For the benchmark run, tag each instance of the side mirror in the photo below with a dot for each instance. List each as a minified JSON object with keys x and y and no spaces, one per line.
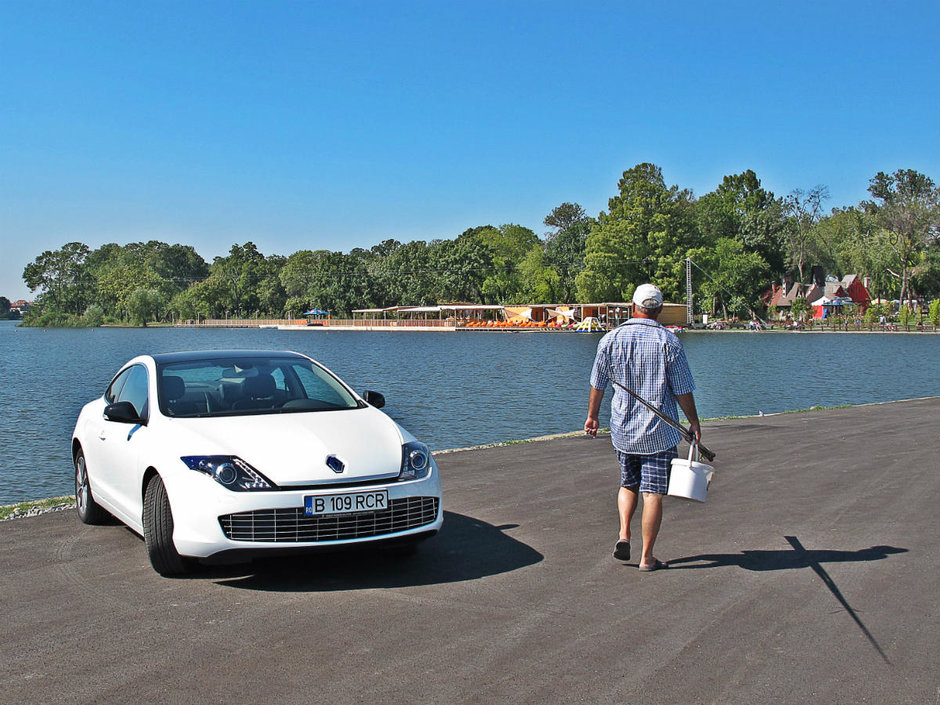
{"x":374,"y":398}
{"x":123,"y":412}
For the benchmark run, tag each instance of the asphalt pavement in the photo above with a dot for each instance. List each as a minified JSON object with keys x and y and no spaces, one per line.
{"x":809,"y":576}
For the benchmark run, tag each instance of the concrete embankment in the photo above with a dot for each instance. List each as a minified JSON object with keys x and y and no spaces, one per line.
{"x":809,"y":576}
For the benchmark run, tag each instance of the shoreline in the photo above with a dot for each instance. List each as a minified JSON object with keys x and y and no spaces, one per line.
{"x":36,"y":507}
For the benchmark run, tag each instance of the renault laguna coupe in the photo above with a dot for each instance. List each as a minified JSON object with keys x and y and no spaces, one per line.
{"x":227,"y":455}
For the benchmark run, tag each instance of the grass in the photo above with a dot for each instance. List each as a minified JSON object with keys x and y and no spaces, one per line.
{"x":22,"y":508}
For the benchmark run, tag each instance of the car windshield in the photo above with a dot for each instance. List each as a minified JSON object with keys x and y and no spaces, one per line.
{"x":252,"y":385}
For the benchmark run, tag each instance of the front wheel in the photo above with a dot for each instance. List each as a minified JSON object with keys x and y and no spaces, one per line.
{"x":89,"y":511}
{"x":158,"y":531}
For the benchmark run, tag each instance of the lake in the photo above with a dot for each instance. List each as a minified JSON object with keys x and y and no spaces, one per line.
{"x":449,"y":389}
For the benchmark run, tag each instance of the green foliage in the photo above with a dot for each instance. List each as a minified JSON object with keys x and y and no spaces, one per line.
{"x":94,"y":316}
{"x":144,"y":305}
{"x":734,"y":273}
{"x":799,"y":309}
{"x":564,"y":250}
{"x":642,"y":237}
{"x":934,"y":312}
{"x":740,"y":209}
{"x":905,"y":315}
{"x":62,"y":278}
{"x":740,"y":236}
{"x":906,"y":206}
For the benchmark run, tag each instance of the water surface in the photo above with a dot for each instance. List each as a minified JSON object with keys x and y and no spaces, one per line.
{"x":449,"y":389}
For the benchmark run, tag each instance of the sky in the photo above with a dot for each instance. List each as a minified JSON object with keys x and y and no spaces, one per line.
{"x":334,"y":125}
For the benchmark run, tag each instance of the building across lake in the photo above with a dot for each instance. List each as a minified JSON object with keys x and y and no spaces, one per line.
{"x":465,"y":316}
{"x":460,"y":317}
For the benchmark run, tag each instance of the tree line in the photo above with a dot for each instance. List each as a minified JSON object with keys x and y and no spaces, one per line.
{"x":741,"y":237}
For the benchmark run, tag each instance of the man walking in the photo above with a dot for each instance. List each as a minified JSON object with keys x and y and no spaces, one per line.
{"x":648,"y":359}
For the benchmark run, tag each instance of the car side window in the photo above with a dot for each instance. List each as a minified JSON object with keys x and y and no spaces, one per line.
{"x":279,"y":380}
{"x":116,"y":385}
{"x":135,"y":390}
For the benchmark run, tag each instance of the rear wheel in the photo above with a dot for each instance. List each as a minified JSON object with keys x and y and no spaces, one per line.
{"x":89,"y":511}
{"x":158,"y":531}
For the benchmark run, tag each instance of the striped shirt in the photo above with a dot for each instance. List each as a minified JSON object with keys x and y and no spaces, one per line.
{"x":645,"y":357}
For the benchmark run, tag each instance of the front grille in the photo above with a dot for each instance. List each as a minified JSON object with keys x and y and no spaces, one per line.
{"x":292,"y":526}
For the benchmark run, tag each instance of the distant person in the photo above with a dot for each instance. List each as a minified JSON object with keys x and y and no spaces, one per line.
{"x":649,"y":360}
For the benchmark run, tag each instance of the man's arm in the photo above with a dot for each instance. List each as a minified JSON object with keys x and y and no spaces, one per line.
{"x":594,"y":408}
{"x":687,"y":404}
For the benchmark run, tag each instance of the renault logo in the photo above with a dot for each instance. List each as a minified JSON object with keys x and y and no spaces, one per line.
{"x":335,"y":464}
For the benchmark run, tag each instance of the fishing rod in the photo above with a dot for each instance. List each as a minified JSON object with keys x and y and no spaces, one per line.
{"x":686,"y":433}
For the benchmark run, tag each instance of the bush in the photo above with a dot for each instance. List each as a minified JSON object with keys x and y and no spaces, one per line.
{"x":934,"y":312}
{"x":94,"y":316}
{"x":905,"y":315}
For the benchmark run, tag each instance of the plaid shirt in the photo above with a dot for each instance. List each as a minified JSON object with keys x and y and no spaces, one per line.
{"x":647,"y":358}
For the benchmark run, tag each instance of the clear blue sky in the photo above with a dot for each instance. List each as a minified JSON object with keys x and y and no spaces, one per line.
{"x":308,"y":125}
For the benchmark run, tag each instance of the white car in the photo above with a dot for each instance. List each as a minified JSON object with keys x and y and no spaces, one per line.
{"x":225,"y":455}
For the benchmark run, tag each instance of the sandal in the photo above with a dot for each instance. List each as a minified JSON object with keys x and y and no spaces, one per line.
{"x":657,"y":565}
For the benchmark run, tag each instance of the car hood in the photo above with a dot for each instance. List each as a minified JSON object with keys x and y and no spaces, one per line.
{"x":292,"y":448}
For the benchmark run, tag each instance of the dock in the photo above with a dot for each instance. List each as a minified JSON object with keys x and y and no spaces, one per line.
{"x":810,"y":575}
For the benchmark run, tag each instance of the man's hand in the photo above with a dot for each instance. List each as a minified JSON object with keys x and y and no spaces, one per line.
{"x":591,"y":426}
{"x":594,"y":410}
{"x":687,"y":404}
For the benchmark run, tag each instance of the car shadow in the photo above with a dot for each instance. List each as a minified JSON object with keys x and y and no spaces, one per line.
{"x":465,"y":549}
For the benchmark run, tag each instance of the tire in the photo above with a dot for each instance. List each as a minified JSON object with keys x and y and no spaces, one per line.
{"x":158,"y":531}
{"x":89,"y":511}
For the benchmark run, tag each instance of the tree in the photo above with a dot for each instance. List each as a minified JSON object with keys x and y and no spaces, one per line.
{"x":404,"y":275}
{"x":243,"y":269}
{"x":799,"y":309}
{"x":62,"y":278}
{"x":509,"y":244}
{"x":804,"y":209}
{"x":4,"y":307}
{"x":461,"y":266}
{"x":907,"y":206}
{"x":643,"y":236}
{"x":740,"y":208}
{"x":144,"y":305}
{"x":565,"y":216}
{"x":540,"y":281}
{"x":736,"y":277}
{"x":564,"y":249}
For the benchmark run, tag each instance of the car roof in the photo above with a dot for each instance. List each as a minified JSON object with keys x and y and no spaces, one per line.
{"x":196,"y":355}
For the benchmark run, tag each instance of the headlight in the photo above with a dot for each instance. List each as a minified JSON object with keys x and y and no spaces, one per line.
{"x":415,"y":461}
{"x":230,"y":472}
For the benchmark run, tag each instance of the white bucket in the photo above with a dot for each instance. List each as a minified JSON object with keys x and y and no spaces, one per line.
{"x":689,"y":478}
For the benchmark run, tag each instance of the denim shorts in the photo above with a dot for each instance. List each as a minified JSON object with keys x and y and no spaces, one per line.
{"x":650,"y":472}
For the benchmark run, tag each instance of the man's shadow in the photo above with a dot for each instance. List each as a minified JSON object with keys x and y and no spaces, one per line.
{"x":795,"y":558}
{"x":783,"y":559}
{"x":464,"y":549}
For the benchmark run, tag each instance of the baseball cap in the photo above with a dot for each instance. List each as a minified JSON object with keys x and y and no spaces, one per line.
{"x":648,"y":296}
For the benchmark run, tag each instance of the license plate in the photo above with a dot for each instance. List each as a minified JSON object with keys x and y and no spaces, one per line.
{"x":345,"y":503}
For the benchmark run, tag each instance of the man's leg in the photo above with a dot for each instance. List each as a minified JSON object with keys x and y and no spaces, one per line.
{"x":652,"y":518}
{"x":626,"y":503}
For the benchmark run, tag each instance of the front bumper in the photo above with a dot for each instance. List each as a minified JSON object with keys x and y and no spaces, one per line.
{"x":209,"y":519}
